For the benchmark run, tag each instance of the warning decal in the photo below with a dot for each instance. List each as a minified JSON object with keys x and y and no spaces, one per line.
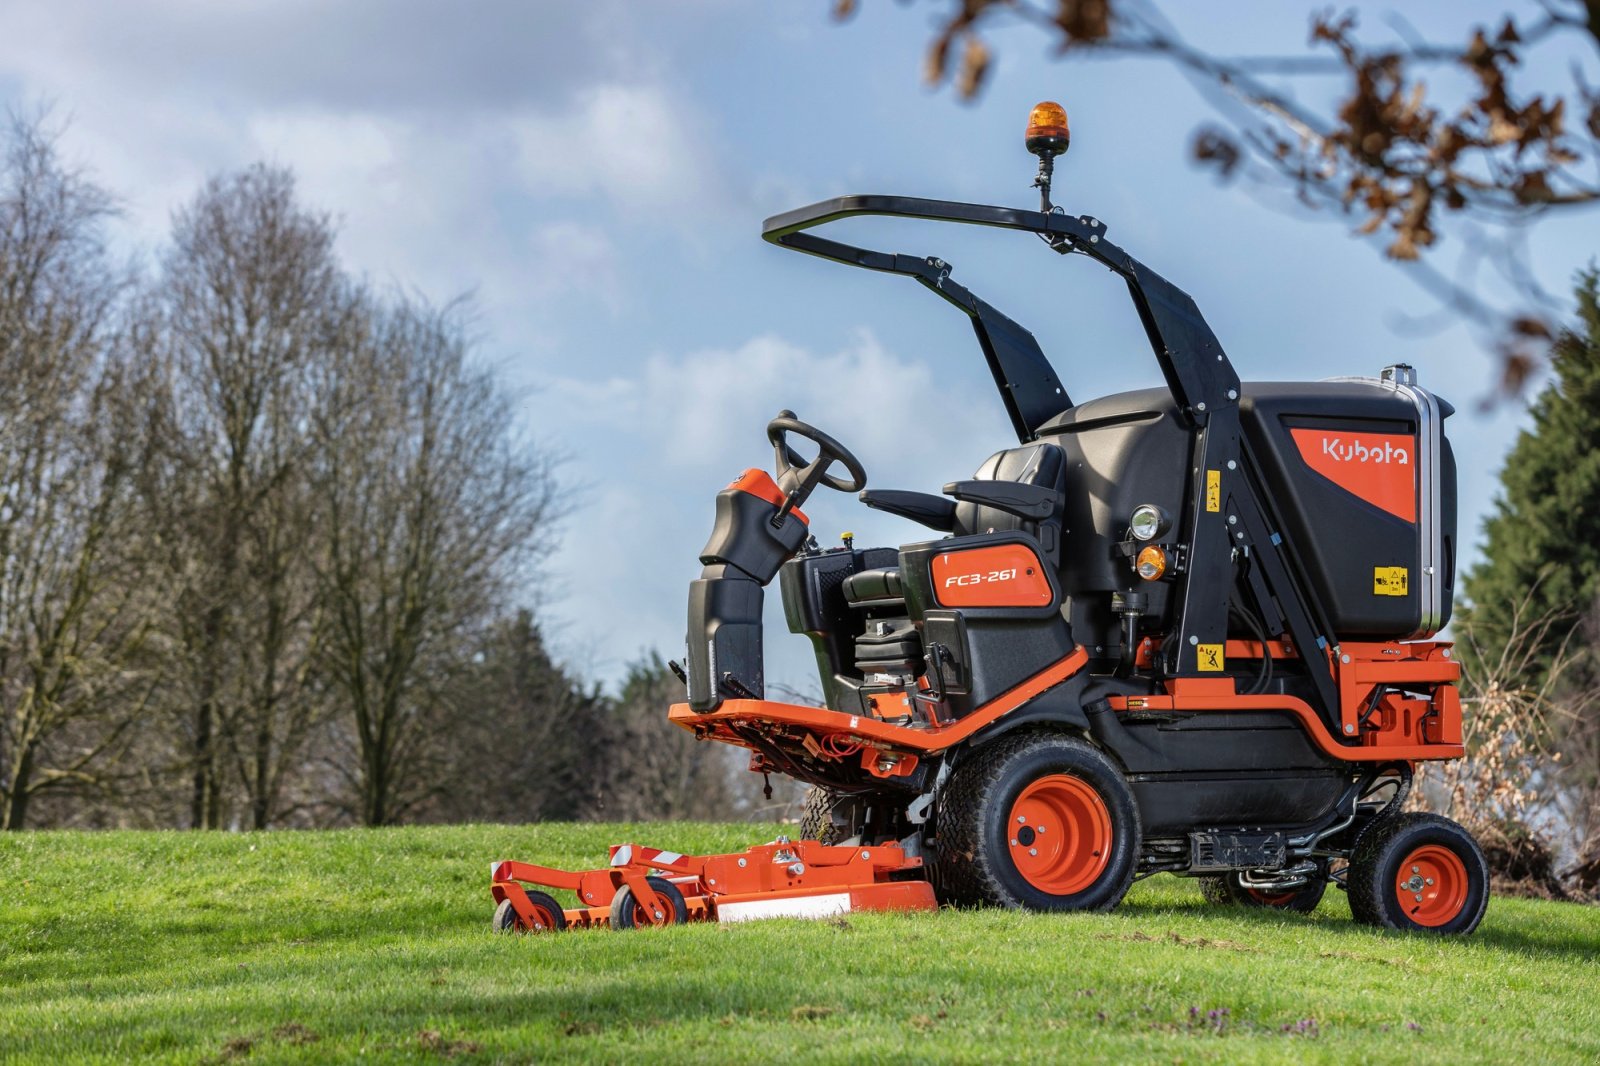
{"x":1389,"y":581}
{"x":1213,"y":490}
{"x":1209,"y":657}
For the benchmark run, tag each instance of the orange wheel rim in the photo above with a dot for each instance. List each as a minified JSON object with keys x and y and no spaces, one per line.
{"x":642,"y":915}
{"x":1270,"y":899}
{"x":1431,"y":885}
{"x":1059,"y":833}
{"x":543,"y":921}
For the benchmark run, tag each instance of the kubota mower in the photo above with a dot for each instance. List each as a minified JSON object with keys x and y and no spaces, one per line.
{"x":1186,"y":629}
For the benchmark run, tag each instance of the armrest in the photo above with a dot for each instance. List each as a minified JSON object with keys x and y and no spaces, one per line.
{"x":935,"y":512}
{"x":1013,"y":497}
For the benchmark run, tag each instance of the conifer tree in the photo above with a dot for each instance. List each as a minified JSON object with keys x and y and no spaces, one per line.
{"x":1540,"y":570}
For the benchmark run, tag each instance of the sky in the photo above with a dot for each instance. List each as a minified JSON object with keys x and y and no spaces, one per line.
{"x":595,"y":175}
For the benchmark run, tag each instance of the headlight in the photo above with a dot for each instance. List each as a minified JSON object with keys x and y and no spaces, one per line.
{"x":1148,"y":522}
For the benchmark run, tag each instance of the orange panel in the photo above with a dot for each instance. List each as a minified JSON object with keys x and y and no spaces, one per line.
{"x":999,"y":575}
{"x":1381,"y":468}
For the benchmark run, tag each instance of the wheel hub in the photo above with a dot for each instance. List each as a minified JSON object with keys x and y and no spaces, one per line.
{"x":1431,"y":885}
{"x":1060,"y":834}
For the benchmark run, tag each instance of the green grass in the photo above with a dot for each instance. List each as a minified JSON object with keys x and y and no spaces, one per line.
{"x":332,"y":946}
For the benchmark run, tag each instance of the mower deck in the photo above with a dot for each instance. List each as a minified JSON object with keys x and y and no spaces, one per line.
{"x":648,"y":886}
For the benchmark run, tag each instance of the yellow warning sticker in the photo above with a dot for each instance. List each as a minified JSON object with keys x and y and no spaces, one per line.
{"x":1214,"y":493}
{"x":1209,"y":657}
{"x":1388,"y":581}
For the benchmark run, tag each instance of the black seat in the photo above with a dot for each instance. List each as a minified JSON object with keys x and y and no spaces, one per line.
{"x":1042,"y":466}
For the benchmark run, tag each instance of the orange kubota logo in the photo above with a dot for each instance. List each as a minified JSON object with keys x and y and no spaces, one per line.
{"x":1377,"y":467}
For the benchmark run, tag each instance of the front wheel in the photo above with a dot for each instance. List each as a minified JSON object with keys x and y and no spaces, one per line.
{"x":1418,"y":871}
{"x":816,"y":817}
{"x":627,"y":913}
{"x":1041,"y":821}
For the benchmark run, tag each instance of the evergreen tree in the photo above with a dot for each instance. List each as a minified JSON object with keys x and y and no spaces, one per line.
{"x":1540,"y":570}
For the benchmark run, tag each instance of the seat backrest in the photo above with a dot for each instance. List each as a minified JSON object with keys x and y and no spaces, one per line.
{"x":1032,"y":464}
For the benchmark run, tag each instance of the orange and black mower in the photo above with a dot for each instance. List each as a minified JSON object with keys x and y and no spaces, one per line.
{"x":1188,"y":629}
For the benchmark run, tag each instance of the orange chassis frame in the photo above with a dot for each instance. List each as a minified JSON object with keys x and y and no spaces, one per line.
{"x":1380,"y":723}
{"x":1381,"y":726}
{"x":783,"y":878}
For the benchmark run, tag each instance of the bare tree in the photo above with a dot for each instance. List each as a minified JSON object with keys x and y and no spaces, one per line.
{"x":251,"y":300}
{"x":432,"y":508}
{"x":656,"y":771}
{"x":70,"y":607}
{"x":1388,"y":149}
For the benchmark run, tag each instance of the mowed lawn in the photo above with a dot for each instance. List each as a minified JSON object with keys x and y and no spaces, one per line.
{"x":333,"y":946}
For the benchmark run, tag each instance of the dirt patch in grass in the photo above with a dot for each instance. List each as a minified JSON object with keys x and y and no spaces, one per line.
{"x":434,"y":1041}
{"x":1184,"y":941}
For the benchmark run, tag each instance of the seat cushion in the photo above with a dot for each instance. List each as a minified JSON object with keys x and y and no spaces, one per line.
{"x":873,"y":586}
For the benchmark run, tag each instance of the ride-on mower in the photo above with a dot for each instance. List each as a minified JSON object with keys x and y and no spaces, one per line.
{"x":1185,"y":629}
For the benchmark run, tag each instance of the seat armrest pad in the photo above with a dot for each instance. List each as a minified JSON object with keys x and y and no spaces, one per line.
{"x":935,"y":512}
{"x":1013,"y":497}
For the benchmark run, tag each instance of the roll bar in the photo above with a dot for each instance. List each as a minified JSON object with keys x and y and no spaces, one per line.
{"x":1223,"y":513}
{"x":1196,"y":369}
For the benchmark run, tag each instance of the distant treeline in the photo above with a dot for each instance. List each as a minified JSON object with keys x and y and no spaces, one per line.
{"x":264,"y":531}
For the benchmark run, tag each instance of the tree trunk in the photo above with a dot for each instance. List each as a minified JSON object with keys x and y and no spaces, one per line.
{"x":15,"y":814}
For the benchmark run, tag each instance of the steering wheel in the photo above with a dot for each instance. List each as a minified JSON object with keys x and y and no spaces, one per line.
{"x":796,"y":476}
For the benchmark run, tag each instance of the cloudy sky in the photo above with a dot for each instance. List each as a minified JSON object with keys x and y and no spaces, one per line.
{"x":596,"y":173}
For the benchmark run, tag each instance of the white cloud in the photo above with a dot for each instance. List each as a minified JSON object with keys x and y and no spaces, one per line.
{"x":635,"y":146}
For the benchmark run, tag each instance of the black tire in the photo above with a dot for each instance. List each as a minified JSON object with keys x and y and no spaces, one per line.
{"x":816,"y":817}
{"x":1453,"y":900}
{"x":507,"y":921}
{"x":975,"y":864}
{"x":626,"y":914}
{"x":1227,"y":891}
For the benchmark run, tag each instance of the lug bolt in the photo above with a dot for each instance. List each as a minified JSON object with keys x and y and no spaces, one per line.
{"x":1419,"y":897}
{"x":1416,"y":869}
{"x":1033,"y":851}
{"x":1429,"y":881}
{"x":1021,"y":819}
{"x":1013,"y":841}
{"x":1040,"y":829}
{"x":741,"y":863}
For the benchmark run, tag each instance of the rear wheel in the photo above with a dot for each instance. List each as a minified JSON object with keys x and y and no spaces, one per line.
{"x":1419,"y":871}
{"x":1041,"y":821}
{"x":548,"y":917}
{"x":1228,"y":890}
{"x":628,"y":913}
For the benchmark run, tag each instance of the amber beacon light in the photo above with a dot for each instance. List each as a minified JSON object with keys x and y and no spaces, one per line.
{"x":1048,"y":134}
{"x":1047,"y":137}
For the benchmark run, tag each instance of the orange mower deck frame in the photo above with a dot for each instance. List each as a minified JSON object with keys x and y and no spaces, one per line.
{"x":801,"y":879}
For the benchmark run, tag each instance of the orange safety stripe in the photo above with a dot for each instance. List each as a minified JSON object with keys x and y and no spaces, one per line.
{"x":823,"y":720}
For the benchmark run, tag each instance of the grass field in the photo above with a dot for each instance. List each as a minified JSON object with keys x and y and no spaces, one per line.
{"x":375,"y":944}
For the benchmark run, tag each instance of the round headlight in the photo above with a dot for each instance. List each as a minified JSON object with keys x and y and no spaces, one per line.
{"x":1148,"y":522}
